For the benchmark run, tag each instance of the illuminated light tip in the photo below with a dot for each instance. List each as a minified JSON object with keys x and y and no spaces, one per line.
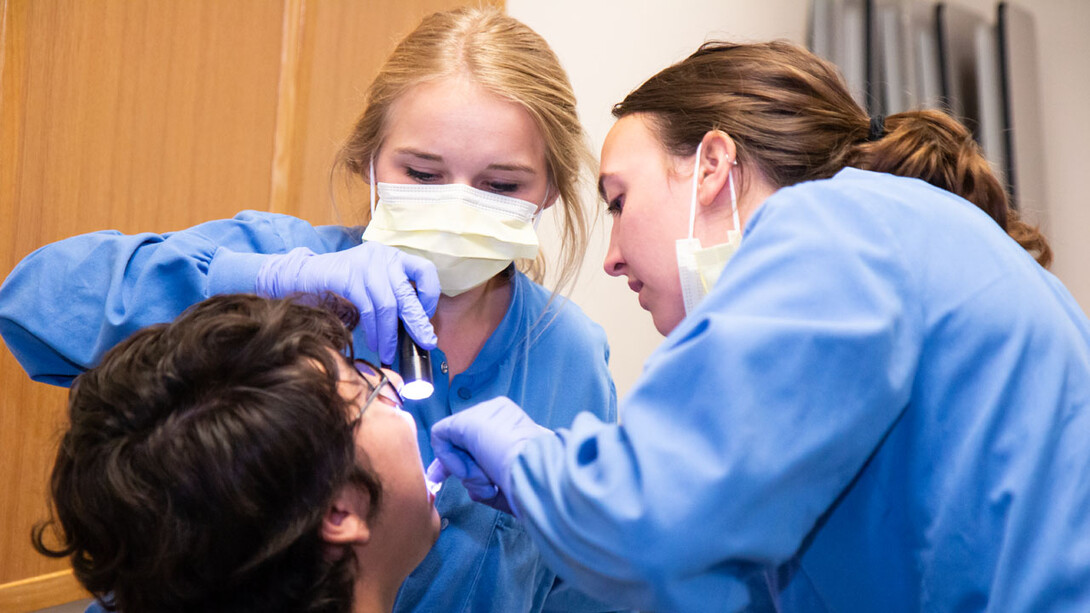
{"x":417,"y":390}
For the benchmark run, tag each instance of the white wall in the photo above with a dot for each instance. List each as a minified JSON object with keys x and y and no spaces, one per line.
{"x":610,"y":46}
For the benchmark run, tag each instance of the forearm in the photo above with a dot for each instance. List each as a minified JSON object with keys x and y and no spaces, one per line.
{"x":67,"y":303}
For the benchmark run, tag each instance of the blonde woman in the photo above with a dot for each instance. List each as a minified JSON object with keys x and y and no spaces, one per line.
{"x":467,"y":134}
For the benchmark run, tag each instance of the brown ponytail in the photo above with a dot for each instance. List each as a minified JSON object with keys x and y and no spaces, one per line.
{"x":1030,"y":237}
{"x":935,"y":147}
{"x":793,"y":119}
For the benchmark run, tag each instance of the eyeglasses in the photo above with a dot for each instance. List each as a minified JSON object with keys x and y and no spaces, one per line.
{"x":370,"y":373}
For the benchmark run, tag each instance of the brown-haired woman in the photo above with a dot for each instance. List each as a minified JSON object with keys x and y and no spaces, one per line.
{"x":881,"y":403}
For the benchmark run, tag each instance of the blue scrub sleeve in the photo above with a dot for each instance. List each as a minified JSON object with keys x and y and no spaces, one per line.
{"x":67,"y":303}
{"x":748,"y":422}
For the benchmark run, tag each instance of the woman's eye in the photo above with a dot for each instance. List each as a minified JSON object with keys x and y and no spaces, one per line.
{"x":615,"y":206}
{"x":502,"y":188}
{"x":421,"y":176}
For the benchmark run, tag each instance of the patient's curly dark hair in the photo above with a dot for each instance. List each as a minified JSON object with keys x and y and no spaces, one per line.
{"x":201,"y":457}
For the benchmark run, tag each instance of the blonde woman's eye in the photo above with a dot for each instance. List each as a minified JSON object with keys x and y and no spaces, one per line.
{"x":503,"y":188}
{"x":421,"y":176}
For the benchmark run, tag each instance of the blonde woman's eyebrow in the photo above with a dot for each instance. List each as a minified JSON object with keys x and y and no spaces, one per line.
{"x":513,"y":168}
{"x":416,"y":153}
{"x":434,"y":157}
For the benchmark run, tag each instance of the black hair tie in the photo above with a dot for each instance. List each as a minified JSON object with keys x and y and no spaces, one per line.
{"x":877,"y":128}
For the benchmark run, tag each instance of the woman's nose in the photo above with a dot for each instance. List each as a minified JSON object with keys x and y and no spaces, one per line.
{"x":614,"y":264}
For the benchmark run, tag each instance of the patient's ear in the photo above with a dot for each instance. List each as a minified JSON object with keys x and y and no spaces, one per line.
{"x":345,"y":521}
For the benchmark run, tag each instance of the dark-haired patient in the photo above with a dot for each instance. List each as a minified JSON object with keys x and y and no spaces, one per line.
{"x":236,"y":460}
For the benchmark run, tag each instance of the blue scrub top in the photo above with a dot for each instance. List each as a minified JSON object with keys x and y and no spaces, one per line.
{"x":67,"y":303}
{"x":883,"y":405}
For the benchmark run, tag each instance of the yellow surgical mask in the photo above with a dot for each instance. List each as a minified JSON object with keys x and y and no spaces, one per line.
{"x":469,"y":234}
{"x":699,"y":267}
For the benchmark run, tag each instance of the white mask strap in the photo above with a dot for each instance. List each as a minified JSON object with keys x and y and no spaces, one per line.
{"x":692,"y":201}
{"x":733,"y":196}
{"x":371,"y":166}
{"x":541,"y":209}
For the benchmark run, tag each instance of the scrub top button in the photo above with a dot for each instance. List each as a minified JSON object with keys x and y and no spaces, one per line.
{"x":443,"y":524}
{"x":443,"y":367}
{"x":464,"y":393}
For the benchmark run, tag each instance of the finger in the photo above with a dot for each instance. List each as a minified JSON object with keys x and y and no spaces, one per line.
{"x":412,"y":313}
{"x":481,"y":492}
{"x":436,"y":472}
{"x":463,"y":468}
{"x":382,"y":295}
{"x":444,"y":437}
{"x":501,"y":503}
{"x":448,"y":442}
{"x":422,"y":273}
{"x":456,"y":462}
{"x":367,"y":318}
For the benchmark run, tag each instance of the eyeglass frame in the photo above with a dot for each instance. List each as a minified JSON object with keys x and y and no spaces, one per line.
{"x":397,"y":402}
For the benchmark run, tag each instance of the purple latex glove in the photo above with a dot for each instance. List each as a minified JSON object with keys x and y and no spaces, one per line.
{"x":478,"y":446}
{"x":376,"y":278}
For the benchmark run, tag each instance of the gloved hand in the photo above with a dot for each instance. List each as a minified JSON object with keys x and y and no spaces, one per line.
{"x":478,"y":446}
{"x":374,"y":277}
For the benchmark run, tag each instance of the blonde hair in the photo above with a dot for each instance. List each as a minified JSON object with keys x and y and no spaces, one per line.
{"x":508,"y":59}
{"x":792,"y":118}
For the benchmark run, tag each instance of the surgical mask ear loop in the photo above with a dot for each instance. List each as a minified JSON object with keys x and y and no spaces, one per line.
{"x":371,"y":167}
{"x":541,"y":209}
{"x":733,"y":197}
{"x":733,"y":194}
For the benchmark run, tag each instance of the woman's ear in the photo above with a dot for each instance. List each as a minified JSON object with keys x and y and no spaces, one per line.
{"x":345,"y":521}
{"x":717,"y":158}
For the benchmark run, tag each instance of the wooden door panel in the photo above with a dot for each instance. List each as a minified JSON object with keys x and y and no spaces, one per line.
{"x":135,"y":115}
{"x":154,"y":115}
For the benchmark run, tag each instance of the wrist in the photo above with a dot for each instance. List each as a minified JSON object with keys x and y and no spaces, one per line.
{"x":231,"y":272}
{"x":280,"y":274}
{"x":515,"y":460}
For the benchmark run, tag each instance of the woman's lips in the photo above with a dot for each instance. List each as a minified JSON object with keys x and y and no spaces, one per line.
{"x":637,"y":287}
